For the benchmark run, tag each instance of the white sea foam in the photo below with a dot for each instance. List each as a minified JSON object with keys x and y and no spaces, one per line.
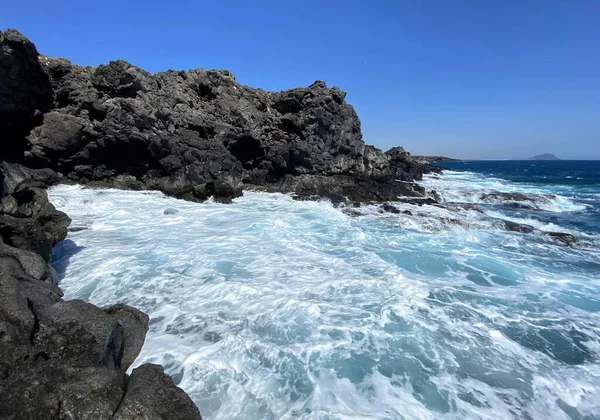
{"x":469,"y":187}
{"x":272,"y":308}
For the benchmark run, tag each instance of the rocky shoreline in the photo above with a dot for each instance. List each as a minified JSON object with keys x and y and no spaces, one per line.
{"x":191,"y":135}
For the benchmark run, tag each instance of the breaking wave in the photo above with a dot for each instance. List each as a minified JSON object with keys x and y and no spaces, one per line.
{"x":273,"y":308}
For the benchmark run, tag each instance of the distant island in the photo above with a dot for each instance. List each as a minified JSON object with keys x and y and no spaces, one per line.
{"x":544,"y":156}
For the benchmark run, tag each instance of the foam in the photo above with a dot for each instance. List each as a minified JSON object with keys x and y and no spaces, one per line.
{"x":272,"y":308}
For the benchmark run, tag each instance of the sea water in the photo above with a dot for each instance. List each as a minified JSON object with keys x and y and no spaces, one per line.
{"x":272,"y":308}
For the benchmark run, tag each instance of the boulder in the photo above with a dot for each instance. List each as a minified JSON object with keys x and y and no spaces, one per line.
{"x":135,"y":327}
{"x":152,"y":395}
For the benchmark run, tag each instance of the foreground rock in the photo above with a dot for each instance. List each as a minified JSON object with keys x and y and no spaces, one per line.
{"x":190,"y":134}
{"x":65,"y":359}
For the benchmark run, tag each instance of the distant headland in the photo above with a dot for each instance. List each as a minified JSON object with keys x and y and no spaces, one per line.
{"x":431,"y":159}
{"x":544,"y":156}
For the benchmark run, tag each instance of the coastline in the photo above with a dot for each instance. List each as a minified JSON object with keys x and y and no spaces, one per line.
{"x":192,"y":135}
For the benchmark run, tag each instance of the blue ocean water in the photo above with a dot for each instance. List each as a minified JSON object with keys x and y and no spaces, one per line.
{"x":272,"y":308}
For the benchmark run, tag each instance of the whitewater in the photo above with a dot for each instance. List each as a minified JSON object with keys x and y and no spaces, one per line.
{"x":272,"y":308}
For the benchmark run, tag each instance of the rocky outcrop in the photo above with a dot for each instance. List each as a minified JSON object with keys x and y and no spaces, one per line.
{"x":192,"y":134}
{"x":65,"y":359}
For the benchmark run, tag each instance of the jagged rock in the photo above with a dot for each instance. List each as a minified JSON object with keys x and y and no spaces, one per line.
{"x":135,"y":327}
{"x":518,"y":227}
{"x":29,"y":221}
{"x":80,"y":332}
{"x":33,"y":264}
{"x":151,"y":395}
{"x":54,"y":390}
{"x":565,"y":238}
{"x":25,"y":93}
{"x":419,"y":201}
{"x":517,"y":200}
{"x":14,"y":177}
{"x":389,"y":208}
{"x":198,"y":133}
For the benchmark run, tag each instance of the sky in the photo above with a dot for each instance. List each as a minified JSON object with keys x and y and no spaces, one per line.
{"x":474,"y":79}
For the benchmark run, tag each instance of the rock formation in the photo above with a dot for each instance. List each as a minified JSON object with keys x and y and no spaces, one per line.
{"x":191,"y":134}
{"x":65,"y":359}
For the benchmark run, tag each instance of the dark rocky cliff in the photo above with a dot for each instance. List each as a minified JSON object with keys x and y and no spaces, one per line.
{"x":192,"y":135}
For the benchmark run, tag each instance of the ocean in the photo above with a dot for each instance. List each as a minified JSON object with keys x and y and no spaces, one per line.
{"x":272,"y":308}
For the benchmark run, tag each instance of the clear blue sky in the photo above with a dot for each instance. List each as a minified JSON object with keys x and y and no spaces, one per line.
{"x":465,"y":78}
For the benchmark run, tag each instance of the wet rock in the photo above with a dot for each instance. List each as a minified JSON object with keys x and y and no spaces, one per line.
{"x":344,"y":189}
{"x":565,"y":238}
{"x":418,"y":201}
{"x":407,"y":212}
{"x":76,"y":228}
{"x":518,"y":227}
{"x":170,"y":211}
{"x":389,"y":208}
{"x":352,"y":213}
{"x":152,"y":395}
{"x":517,"y":200}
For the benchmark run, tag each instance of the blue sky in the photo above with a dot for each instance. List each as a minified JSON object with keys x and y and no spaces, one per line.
{"x":472,"y":79}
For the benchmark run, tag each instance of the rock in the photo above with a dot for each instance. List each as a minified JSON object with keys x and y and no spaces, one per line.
{"x":407,"y":212}
{"x":135,"y":327}
{"x":434,"y":194}
{"x":496,"y":197}
{"x":152,"y":395}
{"x":53,"y":390}
{"x":418,"y":201}
{"x":33,"y":264}
{"x":80,"y":332}
{"x":29,"y":221}
{"x":389,"y":208}
{"x":517,"y":227}
{"x":25,"y":93}
{"x":194,"y":134}
{"x":405,"y":167}
{"x":14,"y":176}
{"x":565,"y":238}
{"x":170,"y":211}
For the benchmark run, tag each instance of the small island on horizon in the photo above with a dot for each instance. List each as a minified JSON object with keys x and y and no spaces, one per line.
{"x":544,"y":156}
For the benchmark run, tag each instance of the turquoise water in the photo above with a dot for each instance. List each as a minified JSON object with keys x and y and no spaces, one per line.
{"x":272,"y":308}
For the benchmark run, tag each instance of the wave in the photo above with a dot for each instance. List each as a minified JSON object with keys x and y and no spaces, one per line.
{"x":276,"y":308}
{"x":469,"y":187}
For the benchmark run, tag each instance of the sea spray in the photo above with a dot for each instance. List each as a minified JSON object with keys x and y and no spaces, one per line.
{"x":274,"y":308}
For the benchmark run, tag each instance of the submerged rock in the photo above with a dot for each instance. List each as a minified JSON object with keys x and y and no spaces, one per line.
{"x":389,"y":208}
{"x":565,"y":238}
{"x":170,"y":211}
{"x":518,"y":227}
